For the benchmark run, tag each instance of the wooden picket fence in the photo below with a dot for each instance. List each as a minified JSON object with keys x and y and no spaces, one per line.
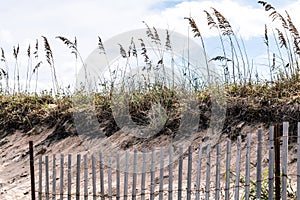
{"x":213,"y":175}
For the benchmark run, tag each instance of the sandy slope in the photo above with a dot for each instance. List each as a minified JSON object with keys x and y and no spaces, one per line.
{"x":14,"y":168}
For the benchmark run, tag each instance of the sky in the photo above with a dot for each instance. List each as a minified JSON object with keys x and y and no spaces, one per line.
{"x":22,"y":22}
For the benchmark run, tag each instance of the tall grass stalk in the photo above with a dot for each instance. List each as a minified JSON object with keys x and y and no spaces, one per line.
{"x":50,"y":60}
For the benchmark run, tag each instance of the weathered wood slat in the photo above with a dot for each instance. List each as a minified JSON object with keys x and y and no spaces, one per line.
{"x":217,"y":190}
{"x":143,"y":181}
{"x":69,"y":176}
{"x":109,"y":178}
{"x":118,"y":177}
{"x":298,"y":162}
{"x":198,"y":176}
{"x":161,"y":174}
{"x":271,"y":163}
{"x":152,"y":175}
{"x":134,"y":174}
{"x":40,"y":177}
{"x":227,"y":174}
{"x":85,"y":177}
{"x":207,"y":184}
{"x":258,"y":166}
{"x":94,"y":176}
{"x":247,"y":168}
{"x":53,"y":177}
{"x":170,"y":187}
{"x":284,"y":159}
{"x":180,"y":162}
{"x":101,"y":176}
{"x":78,"y":177}
{"x":237,"y":169}
{"x":189,"y":174}
{"x":47,"y":177}
{"x":126,"y":175}
{"x":61,"y":191}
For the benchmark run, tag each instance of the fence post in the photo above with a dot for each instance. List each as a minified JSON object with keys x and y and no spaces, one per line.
{"x":277,"y":161}
{"x":32,"y":170}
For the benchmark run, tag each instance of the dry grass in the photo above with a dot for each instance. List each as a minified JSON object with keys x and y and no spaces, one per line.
{"x":248,"y":101}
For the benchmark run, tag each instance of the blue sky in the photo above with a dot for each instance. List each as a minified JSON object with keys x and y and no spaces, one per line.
{"x":22,"y":22}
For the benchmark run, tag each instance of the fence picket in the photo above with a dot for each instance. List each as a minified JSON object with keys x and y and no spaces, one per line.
{"x":40,"y":177}
{"x":118,"y":177}
{"x":69,"y":175}
{"x":258,"y":166}
{"x":228,"y":158}
{"x":189,"y":176}
{"x":247,"y":168}
{"x":47,"y":177}
{"x":134,"y":174}
{"x":94,"y":177}
{"x":170,"y":188}
{"x":161,"y":174}
{"x":198,"y":179}
{"x":298,"y":162}
{"x":152,"y":175}
{"x":207,"y":184}
{"x":109,"y":178}
{"x":180,"y":162}
{"x":126,"y":176}
{"x":284,"y":159}
{"x":78,"y":177}
{"x":61,"y":191}
{"x":217,"y":191}
{"x":238,"y":163}
{"x":271,"y":163}
{"x":85,"y":177}
{"x":54,"y":177}
{"x":143,"y":181}
{"x":101,"y":176}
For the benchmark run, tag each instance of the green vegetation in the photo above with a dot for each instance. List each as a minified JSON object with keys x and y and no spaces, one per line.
{"x":249,"y":99}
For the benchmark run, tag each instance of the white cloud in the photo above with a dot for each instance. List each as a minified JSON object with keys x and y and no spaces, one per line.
{"x":24,"y":21}
{"x":246,"y":20}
